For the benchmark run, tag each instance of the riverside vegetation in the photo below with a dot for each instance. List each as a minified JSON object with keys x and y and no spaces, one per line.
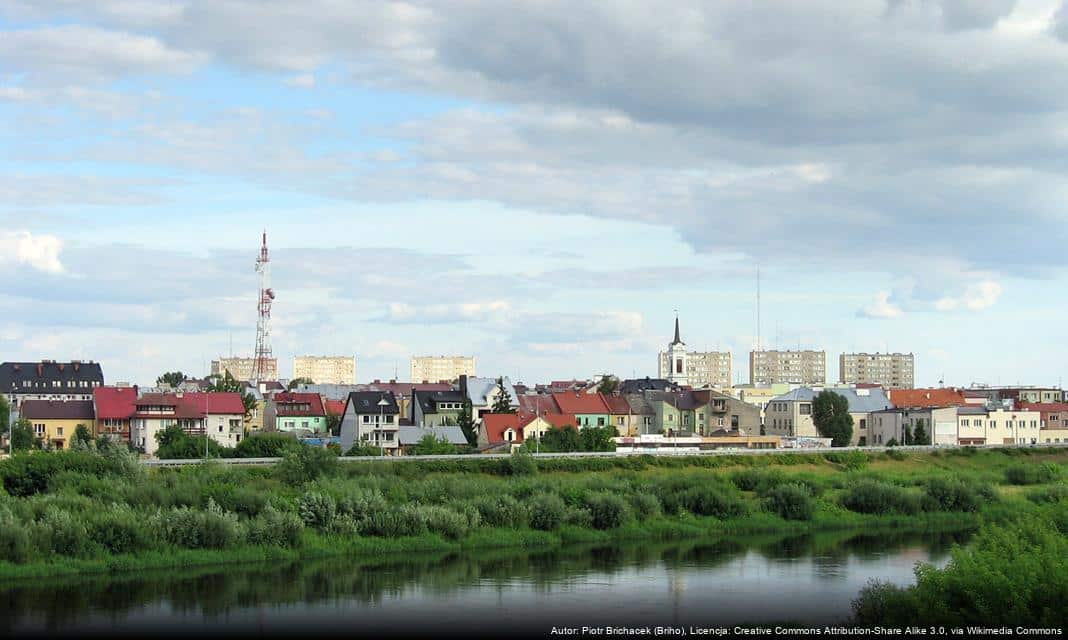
{"x":101,"y":511}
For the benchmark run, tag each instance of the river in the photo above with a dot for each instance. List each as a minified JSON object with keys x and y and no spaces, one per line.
{"x":809,"y":580}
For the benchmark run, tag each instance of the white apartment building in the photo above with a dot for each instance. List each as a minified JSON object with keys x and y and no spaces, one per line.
{"x":219,"y":415}
{"x":241,"y":368}
{"x":890,"y":370}
{"x":794,"y":367}
{"x":694,"y":368}
{"x":441,"y":368}
{"x":325,"y":369}
{"x":978,"y":425}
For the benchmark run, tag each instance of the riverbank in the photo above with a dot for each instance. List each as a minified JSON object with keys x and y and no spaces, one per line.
{"x":85,"y":513}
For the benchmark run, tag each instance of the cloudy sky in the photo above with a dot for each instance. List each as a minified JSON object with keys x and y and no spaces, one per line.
{"x":538,"y":184}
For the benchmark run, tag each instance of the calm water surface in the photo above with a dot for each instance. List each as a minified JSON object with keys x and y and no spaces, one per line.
{"x":808,"y":579}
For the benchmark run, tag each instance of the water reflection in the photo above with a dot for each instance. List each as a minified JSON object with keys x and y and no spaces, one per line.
{"x":759,"y":578}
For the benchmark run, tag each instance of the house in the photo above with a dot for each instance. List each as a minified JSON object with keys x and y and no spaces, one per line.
{"x":300,"y":413}
{"x":939,"y":423}
{"x":436,"y":408}
{"x":482,"y":394}
{"x":791,"y":413}
{"x":49,"y":380}
{"x":927,"y":398}
{"x":981,"y":425}
{"x":621,"y":416}
{"x":534,"y":427}
{"x":410,"y":436}
{"x":1054,"y":414}
{"x":589,"y":409}
{"x":371,"y":418}
{"x":498,"y":429}
{"x":642,"y":412}
{"x":705,"y":412}
{"x":219,"y":415}
{"x":54,"y":421}
{"x":114,"y":408}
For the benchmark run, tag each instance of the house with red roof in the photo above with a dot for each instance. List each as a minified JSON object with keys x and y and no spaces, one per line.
{"x":219,"y":415}
{"x":500,"y":429}
{"x":114,"y":408}
{"x":300,"y":413}
{"x":927,"y":398}
{"x":1054,"y":414}
{"x":589,"y":409}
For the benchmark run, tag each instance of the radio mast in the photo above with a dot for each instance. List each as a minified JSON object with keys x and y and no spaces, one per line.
{"x":263,"y":323}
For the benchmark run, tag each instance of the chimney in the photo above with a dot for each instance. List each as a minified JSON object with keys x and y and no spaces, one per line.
{"x":40,"y":369}
{"x":77,"y":365}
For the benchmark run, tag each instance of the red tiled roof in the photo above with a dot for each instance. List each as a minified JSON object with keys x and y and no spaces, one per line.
{"x":542,"y":403}
{"x":57,"y":410}
{"x":617,"y":405}
{"x":335,"y":407}
{"x":114,"y":403}
{"x":555,"y":419}
{"x":1044,"y":407}
{"x":496,"y":424}
{"x":192,"y":405}
{"x":580,"y":403}
{"x":293,"y":404}
{"x":927,"y":398}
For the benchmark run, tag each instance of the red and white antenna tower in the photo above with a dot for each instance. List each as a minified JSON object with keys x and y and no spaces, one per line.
{"x":263,"y":324}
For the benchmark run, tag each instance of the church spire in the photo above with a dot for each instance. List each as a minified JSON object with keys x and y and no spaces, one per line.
{"x":677,"y":340}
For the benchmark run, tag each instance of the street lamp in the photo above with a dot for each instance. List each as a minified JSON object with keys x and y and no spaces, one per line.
{"x":382,"y":404}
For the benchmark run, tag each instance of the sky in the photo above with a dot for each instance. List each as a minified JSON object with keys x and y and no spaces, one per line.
{"x":542,"y":185}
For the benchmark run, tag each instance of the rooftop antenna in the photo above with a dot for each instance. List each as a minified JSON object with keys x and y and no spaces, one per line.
{"x":263,"y":325}
{"x":758,"y":308}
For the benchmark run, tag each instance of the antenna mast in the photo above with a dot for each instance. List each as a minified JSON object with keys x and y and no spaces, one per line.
{"x":758,"y":308}
{"x":263,"y":323}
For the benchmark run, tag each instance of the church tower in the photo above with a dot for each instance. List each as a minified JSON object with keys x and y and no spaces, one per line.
{"x":677,"y":358}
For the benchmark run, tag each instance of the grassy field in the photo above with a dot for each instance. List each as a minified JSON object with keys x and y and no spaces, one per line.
{"x":78,"y":512}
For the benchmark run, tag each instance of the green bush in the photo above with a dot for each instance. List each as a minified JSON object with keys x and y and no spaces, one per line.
{"x":360,"y":503}
{"x":791,"y":502}
{"x":1056,"y":493}
{"x":951,"y":494}
{"x":607,"y":511}
{"x":711,"y":500}
{"x":645,"y":505}
{"x":120,"y":530}
{"x":273,"y":527}
{"x":850,"y":460}
{"x":578,"y":517}
{"x":444,"y":521}
{"x":522,"y":463}
{"x":266,"y":445}
{"x":26,"y":475}
{"x":396,"y":522}
{"x":501,"y":511}
{"x":872,"y":496}
{"x":196,"y":529}
{"x":14,"y":538}
{"x":316,"y":510}
{"x":756,"y":479}
{"x":306,"y":464}
{"x":547,"y":511}
{"x":1031,"y":473}
{"x":68,"y":535}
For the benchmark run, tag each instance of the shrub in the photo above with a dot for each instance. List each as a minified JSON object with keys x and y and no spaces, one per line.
{"x":522,"y":463}
{"x":240,"y":500}
{"x":711,"y":500}
{"x":68,"y":535}
{"x":273,"y":527}
{"x":850,"y":460}
{"x":645,"y":505}
{"x":444,"y":521}
{"x":578,"y":517}
{"x":547,"y":511}
{"x":791,"y":501}
{"x":120,"y":530}
{"x":759,"y":480}
{"x":501,"y":511}
{"x":395,"y":522}
{"x":196,"y":529}
{"x":1025,"y":473}
{"x":607,"y":511}
{"x":950,"y":494}
{"x":305,"y":464}
{"x":872,"y":496}
{"x":14,"y":538}
{"x":1056,"y":493}
{"x":360,"y":503}
{"x":317,"y":510}
{"x":894,"y":454}
{"x":266,"y":445}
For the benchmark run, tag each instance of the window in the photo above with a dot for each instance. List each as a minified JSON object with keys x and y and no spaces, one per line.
{"x":678,"y":366}
{"x":59,"y":431}
{"x":39,"y":429}
{"x":964,"y":423}
{"x":993,"y":423}
{"x":302,"y":424}
{"x":220,"y":428}
{"x":701,"y":417}
{"x":671,"y":418}
{"x":367,"y":419}
{"x":600,"y":422}
{"x":620,"y":421}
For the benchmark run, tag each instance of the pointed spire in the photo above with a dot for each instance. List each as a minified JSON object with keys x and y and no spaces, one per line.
{"x":677,"y":340}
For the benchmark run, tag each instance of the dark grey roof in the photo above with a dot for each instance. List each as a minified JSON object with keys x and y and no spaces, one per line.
{"x":638,"y":404}
{"x":57,"y":410}
{"x":367,"y":402}
{"x":429,"y":400}
{"x":43,"y":375}
{"x":646,"y":384}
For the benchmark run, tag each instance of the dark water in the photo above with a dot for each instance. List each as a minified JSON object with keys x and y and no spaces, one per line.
{"x":807,"y":579}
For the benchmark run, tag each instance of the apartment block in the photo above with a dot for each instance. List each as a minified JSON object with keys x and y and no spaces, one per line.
{"x":241,"y":368}
{"x":698,"y":368}
{"x":441,"y":368}
{"x":890,"y":370}
{"x":791,"y":367}
{"x":326,"y":369}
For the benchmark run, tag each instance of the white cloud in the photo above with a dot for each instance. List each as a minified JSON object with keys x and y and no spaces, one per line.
{"x":447,"y":313}
{"x":304,"y":81}
{"x":976,"y":297}
{"x":23,"y":248}
{"x":881,"y":307}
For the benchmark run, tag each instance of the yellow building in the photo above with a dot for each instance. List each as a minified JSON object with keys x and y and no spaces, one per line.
{"x":54,"y":421}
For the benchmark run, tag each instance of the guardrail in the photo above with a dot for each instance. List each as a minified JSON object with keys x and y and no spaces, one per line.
{"x":666,"y":451}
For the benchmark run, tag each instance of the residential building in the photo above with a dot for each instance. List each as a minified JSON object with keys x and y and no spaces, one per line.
{"x":939,"y":423}
{"x":927,"y":398}
{"x":300,"y":413}
{"x":797,"y":367}
{"x":114,"y":408}
{"x":48,"y":380}
{"x":622,"y":418}
{"x":482,"y":393}
{"x":702,"y":413}
{"x":1020,"y":395}
{"x":371,"y":418}
{"x":1053,"y":436}
{"x":643,"y":412}
{"x":441,"y":368}
{"x":404,"y":392}
{"x":219,"y":415}
{"x":54,"y":421}
{"x":1054,"y":414}
{"x":889,"y":370}
{"x":589,"y":409}
{"x":694,"y":368}
{"x":241,"y":368}
{"x":500,"y":430}
{"x":791,"y":413}
{"x":759,"y":395}
{"x":436,"y":408}
{"x":409,"y":436}
{"x":535,"y":427}
{"x":326,"y":369}
{"x":980,"y":425}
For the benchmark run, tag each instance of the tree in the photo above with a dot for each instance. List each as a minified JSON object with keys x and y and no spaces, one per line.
{"x":503,"y":401}
{"x":892,"y":442}
{"x":908,"y":436}
{"x":363,"y":450}
{"x":172,"y":378}
{"x":609,"y":384}
{"x":82,"y":434}
{"x":266,"y":445}
{"x":830,"y":414}
{"x":176,"y":444}
{"x":467,"y":424}
{"x":22,"y":436}
{"x":333,"y":424}
{"x":296,"y":382}
{"x":598,"y":438}
{"x":229,"y":384}
{"x":431,"y":445}
{"x":561,"y":440}
{"x":920,"y":435}
{"x":5,"y":412}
